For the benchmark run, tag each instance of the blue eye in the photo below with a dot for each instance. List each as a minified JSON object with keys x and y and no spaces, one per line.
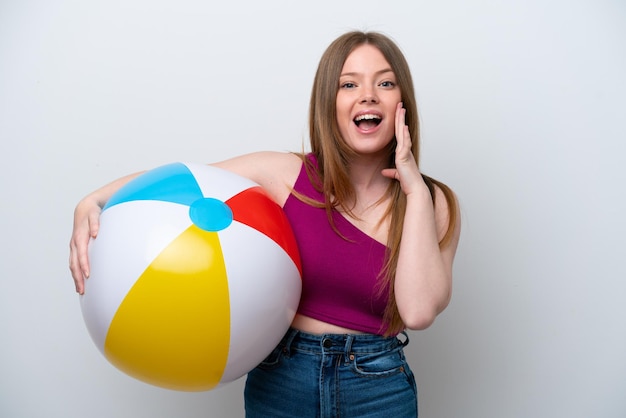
{"x":348,"y":85}
{"x":387,"y":84}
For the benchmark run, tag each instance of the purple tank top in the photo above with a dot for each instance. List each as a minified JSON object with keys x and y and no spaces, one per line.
{"x":339,"y":277}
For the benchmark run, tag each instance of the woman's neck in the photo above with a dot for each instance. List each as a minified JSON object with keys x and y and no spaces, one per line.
{"x":370,"y":186}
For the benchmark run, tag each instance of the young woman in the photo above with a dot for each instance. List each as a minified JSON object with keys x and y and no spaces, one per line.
{"x":377,"y":240}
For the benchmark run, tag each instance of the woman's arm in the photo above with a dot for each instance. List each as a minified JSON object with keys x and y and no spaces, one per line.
{"x":423,"y":281}
{"x":274,"y":171}
{"x":86,"y":225}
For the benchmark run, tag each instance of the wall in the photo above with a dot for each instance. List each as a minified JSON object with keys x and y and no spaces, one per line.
{"x":522,"y":105}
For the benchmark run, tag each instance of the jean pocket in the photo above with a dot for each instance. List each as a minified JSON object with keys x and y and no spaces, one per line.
{"x":379,"y":364}
{"x":273,"y":359}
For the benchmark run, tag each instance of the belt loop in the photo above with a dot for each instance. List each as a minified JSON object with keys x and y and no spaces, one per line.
{"x":348,"y":347}
{"x":288,"y":340}
{"x":406,"y":340}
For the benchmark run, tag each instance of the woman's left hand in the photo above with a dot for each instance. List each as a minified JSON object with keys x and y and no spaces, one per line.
{"x":406,"y":170}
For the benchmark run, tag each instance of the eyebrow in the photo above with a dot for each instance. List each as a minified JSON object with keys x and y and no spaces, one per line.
{"x":380,"y":72}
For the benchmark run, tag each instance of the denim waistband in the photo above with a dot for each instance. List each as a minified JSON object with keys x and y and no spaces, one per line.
{"x":341,"y":343}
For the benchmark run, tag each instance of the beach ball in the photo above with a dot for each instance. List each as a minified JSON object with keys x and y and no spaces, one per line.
{"x":195,"y":277}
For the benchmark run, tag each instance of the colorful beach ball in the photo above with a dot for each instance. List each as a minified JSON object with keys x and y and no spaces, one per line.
{"x":195,"y":277}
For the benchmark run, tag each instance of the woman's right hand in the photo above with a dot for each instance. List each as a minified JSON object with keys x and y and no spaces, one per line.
{"x":86,"y":224}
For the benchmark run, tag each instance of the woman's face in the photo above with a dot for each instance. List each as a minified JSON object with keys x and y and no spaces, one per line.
{"x":366,"y":100}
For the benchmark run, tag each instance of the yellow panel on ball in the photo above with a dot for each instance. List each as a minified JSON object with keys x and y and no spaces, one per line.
{"x":172,"y":329}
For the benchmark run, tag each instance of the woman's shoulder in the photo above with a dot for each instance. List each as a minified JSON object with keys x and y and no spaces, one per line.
{"x":447,"y":212}
{"x":261,"y":163}
{"x":275,"y":171}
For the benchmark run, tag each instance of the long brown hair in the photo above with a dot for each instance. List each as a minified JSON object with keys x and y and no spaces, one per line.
{"x":333,"y":154}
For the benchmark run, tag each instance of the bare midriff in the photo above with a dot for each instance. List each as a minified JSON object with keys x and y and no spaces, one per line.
{"x":315,"y":326}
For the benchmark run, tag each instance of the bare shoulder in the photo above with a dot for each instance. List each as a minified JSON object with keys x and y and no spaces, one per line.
{"x":276,"y":172}
{"x":444,"y":212}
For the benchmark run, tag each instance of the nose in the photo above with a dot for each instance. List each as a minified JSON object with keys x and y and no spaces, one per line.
{"x":369,"y":96}
{"x":369,"y":99}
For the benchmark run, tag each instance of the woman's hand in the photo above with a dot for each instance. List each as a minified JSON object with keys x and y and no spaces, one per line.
{"x":406,"y":170}
{"x":86,"y":225}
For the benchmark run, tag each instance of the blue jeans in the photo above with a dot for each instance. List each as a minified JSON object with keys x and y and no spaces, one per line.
{"x":332,"y":375}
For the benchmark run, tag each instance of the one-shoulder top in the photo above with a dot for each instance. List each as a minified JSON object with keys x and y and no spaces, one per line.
{"x":340,"y":273}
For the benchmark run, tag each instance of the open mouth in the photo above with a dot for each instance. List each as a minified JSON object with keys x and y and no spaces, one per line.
{"x":367,"y":121}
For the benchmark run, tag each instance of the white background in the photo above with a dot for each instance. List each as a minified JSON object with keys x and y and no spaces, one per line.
{"x":523,"y":110}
